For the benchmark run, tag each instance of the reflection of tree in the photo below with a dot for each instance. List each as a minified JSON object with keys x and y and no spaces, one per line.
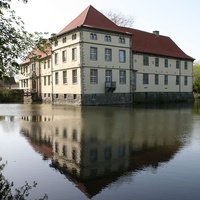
{"x":21,"y":193}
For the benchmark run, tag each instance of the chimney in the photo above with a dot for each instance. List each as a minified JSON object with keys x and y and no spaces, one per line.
{"x":156,"y":33}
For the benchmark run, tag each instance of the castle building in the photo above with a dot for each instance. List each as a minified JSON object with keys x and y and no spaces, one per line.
{"x":96,"y":62}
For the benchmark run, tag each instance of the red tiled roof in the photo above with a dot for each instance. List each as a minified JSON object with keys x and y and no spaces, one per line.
{"x":36,"y":52}
{"x":91,"y":17}
{"x":144,"y":42}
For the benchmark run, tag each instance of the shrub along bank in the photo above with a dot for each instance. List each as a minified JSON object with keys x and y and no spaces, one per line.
{"x":11,"y":95}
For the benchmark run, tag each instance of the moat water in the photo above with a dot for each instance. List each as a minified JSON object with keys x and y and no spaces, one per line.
{"x":103,"y":153}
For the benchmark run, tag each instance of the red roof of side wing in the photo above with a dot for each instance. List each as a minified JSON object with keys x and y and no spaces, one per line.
{"x":150,"y":43}
{"x":91,"y":17}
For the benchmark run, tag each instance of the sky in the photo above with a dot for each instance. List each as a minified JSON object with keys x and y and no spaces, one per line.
{"x":177,"y":19}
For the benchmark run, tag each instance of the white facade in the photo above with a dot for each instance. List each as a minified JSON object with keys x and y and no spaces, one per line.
{"x":100,"y":65}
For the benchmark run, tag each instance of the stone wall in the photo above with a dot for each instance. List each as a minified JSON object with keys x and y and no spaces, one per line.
{"x":118,"y":98}
{"x":162,"y":97}
{"x":107,"y":99}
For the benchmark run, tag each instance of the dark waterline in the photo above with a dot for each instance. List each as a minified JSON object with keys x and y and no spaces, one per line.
{"x":143,"y":152}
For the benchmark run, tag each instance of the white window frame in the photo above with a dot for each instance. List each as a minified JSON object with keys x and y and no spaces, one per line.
{"x":74,"y":76}
{"x":122,"y":56}
{"x":93,"y":76}
{"x":56,"y":58}
{"x":122,"y":76}
{"x":108,"y":75}
{"x":64,"y":56}
{"x":93,"y":53}
{"x":56,"y":78}
{"x":74,"y":53}
{"x":108,"y":54}
{"x":65,"y":77}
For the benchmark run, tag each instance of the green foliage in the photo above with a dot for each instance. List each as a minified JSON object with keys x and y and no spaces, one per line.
{"x":21,"y":193}
{"x":15,"y":42}
{"x":8,"y":95}
{"x":196,"y":77}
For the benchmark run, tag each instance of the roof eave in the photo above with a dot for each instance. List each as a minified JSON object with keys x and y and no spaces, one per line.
{"x":164,"y":55}
{"x":95,"y":28}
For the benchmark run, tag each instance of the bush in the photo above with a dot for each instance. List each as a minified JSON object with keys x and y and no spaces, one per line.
{"x":9,"y":95}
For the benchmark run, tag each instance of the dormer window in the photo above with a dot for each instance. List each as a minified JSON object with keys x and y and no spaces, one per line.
{"x":93,"y":36}
{"x":73,"y":36}
{"x":122,"y":40}
{"x":64,"y":39}
{"x":107,"y":38}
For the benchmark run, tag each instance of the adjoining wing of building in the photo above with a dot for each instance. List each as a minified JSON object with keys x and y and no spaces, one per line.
{"x":96,"y":62}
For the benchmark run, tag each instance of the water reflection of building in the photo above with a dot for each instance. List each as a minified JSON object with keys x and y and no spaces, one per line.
{"x":94,"y":147}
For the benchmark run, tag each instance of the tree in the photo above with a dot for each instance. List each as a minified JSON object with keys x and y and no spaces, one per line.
{"x":119,"y":19}
{"x":15,"y":42}
{"x":21,"y":193}
{"x":196,"y":77}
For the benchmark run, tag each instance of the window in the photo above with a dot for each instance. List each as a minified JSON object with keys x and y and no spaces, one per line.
{"x":65,"y":96}
{"x":145,"y":60}
{"x":177,"y":64}
{"x":48,"y":63}
{"x":56,"y":96}
{"x":74,"y":54}
{"x":74,"y":154}
{"x":166,"y":79}
{"x":93,"y":155}
{"x":122,"y":56}
{"x":108,"y":75}
{"x":49,"y":95}
{"x":122,"y":77}
{"x":74,"y":96}
{"x":56,"y":58}
{"x":93,"y":76}
{"x":107,"y":153}
{"x":121,"y":151}
{"x":108,"y":54}
{"x":44,"y":64}
{"x":166,"y":63}
{"x":64,"y":56}
{"x":64,"y":133}
{"x":157,"y":62}
{"x":45,"y":80}
{"x":177,"y":80}
{"x":73,"y":36}
{"x":64,"y":77}
{"x":122,"y":40}
{"x":57,"y":131}
{"x":93,"y":36}
{"x":56,"y":147}
{"x":107,"y":38}
{"x":145,"y":79}
{"x":26,"y":82}
{"x":74,"y":135}
{"x":33,"y":67}
{"x":56,"y":78}
{"x":64,"y":39}
{"x":156,"y":79}
{"x":93,"y":53}
{"x":49,"y":80}
{"x":64,"y":149}
{"x":74,"y":76}
{"x":185,"y":80}
{"x":185,"y":65}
